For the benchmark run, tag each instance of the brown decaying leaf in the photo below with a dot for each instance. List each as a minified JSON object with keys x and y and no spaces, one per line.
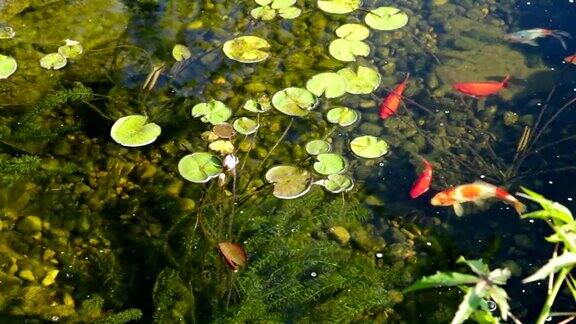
{"x":233,"y":253}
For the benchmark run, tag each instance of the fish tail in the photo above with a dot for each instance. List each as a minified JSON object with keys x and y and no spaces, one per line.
{"x":506,"y":80}
{"x":560,"y":35}
{"x":520,"y":207}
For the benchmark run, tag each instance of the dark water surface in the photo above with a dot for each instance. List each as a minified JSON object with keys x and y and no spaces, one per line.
{"x":128,"y":238}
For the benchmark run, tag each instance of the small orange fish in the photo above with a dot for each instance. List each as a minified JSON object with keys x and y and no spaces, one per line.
{"x":389,"y":106}
{"x":422,"y":184}
{"x":481,"y":89}
{"x":474,"y":192}
{"x":570,"y":59}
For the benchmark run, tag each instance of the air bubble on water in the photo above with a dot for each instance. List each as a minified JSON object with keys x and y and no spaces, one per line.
{"x":293,"y":230}
{"x":313,"y":274}
{"x":381,"y":164}
{"x":569,"y":199}
{"x":491,"y":305}
{"x":429,"y":243}
{"x":482,"y":176}
{"x":548,"y":319}
{"x":550,"y":182}
{"x":55,"y":318}
{"x":379,"y":255}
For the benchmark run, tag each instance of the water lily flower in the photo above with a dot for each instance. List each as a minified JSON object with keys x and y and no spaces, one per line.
{"x":230,"y":162}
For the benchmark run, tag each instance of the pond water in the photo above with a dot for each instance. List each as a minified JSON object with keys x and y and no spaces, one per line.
{"x":165,"y":217}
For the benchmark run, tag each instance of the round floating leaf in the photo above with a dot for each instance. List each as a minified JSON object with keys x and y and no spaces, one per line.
{"x":199,"y":167}
{"x":294,"y":101}
{"x":181,"y":52}
{"x":261,"y":105}
{"x":289,"y":13}
{"x":353,"y":32}
{"x":213,"y":112}
{"x":336,"y":183}
{"x":223,"y":130}
{"x":282,"y":4}
{"x":246,"y":49}
{"x":263,"y":2}
{"x":330,"y":163}
{"x":8,"y":66}
{"x":53,"y":61}
{"x":369,"y":147}
{"x":233,"y":253}
{"x":342,"y":116}
{"x":289,"y":181}
{"x":7,"y":32}
{"x":386,"y":18}
{"x":72,"y":49}
{"x":133,"y":131}
{"x":331,"y":84}
{"x":364,"y":81}
{"x":245,"y":125}
{"x":346,"y":50}
{"x":222,"y":146}
{"x":263,"y":13}
{"x":339,"y":6}
{"x":316,"y":147}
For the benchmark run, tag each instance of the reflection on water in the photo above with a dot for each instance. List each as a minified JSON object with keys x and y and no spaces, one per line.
{"x":92,"y":230}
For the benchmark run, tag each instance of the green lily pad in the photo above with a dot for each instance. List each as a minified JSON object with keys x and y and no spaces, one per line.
{"x":247,"y":49}
{"x":199,"y":167}
{"x":353,"y":32}
{"x":289,"y":13}
{"x":289,"y":181}
{"x":346,"y":50}
{"x":276,"y":4}
{"x":213,"y":112}
{"x":330,"y":84}
{"x":8,"y":66}
{"x":336,"y":183}
{"x":72,"y":49}
{"x":363,"y":81}
{"x":133,"y":131}
{"x":222,"y":146}
{"x":53,"y":61}
{"x":294,"y":101}
{"x":369,"y":147}
{"x":342,"y":116}
{"x":263,"y":13}
{"x":245,"y":125}
{"x":181,"y":52}
{"x":7,"y":32}
{"x":261,"y":105}
{"x":339,"y":6}
{"x":316,"y":147}
{"x":386,"y":18}
{"x":330,"y":163}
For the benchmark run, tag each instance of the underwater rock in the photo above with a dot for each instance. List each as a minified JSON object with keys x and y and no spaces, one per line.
{"x":30,"y":224}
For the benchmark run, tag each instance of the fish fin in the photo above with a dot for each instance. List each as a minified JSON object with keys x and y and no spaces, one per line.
{"x":506,"y":81}
{"x":480,"y":203}
{"x":458,"y":209}
{"x":520,"y":207}
{"x":560,"y":35}
{"x":530,"y":42}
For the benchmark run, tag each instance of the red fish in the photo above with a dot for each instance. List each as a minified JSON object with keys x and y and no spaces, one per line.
{"x":570,"y":59}
{"x":481,"y":89}
{"x":422,"y":184}
{"x":389,"y":106}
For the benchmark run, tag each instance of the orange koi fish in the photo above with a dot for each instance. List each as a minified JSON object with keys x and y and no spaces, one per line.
{"x":474,"y":192}
{"x":570,"y":59}
{"x":422,"y":184}
{"x":481,"y":89}
{"x":389,"y":106}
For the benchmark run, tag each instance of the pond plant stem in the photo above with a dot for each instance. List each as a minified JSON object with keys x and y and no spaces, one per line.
{"x":552,"y":295}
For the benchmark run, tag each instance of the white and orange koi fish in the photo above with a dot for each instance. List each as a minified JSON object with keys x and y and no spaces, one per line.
{"x":475,"y":192}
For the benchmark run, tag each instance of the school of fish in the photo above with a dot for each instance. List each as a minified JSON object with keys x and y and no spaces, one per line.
{"x":478,"y":191}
